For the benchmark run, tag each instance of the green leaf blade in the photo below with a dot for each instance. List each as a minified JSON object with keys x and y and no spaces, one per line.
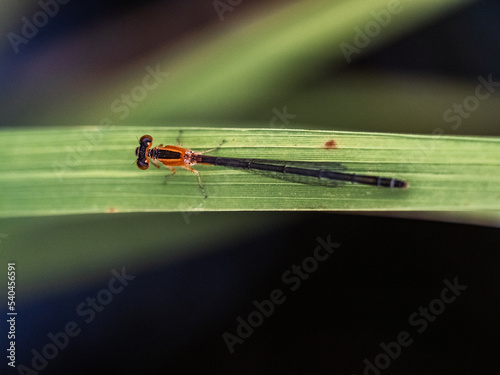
{"x":92,"y":170}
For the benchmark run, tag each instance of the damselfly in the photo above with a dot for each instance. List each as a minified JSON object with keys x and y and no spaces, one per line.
{"x":313,"y":173}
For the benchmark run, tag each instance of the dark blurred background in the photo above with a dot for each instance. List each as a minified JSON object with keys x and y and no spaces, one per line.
{"x":195,"y":276}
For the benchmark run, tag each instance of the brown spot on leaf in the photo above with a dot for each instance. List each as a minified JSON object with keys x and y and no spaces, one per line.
{"x":330,"y":145}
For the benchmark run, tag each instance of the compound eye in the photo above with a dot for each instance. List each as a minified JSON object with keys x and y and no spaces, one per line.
{"x":142,"y":164}
{"x":137,"y":151}
{"x":146,"y":139}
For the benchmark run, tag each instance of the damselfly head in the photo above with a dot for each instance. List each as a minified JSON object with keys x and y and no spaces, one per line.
{"x":142,"y":151}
